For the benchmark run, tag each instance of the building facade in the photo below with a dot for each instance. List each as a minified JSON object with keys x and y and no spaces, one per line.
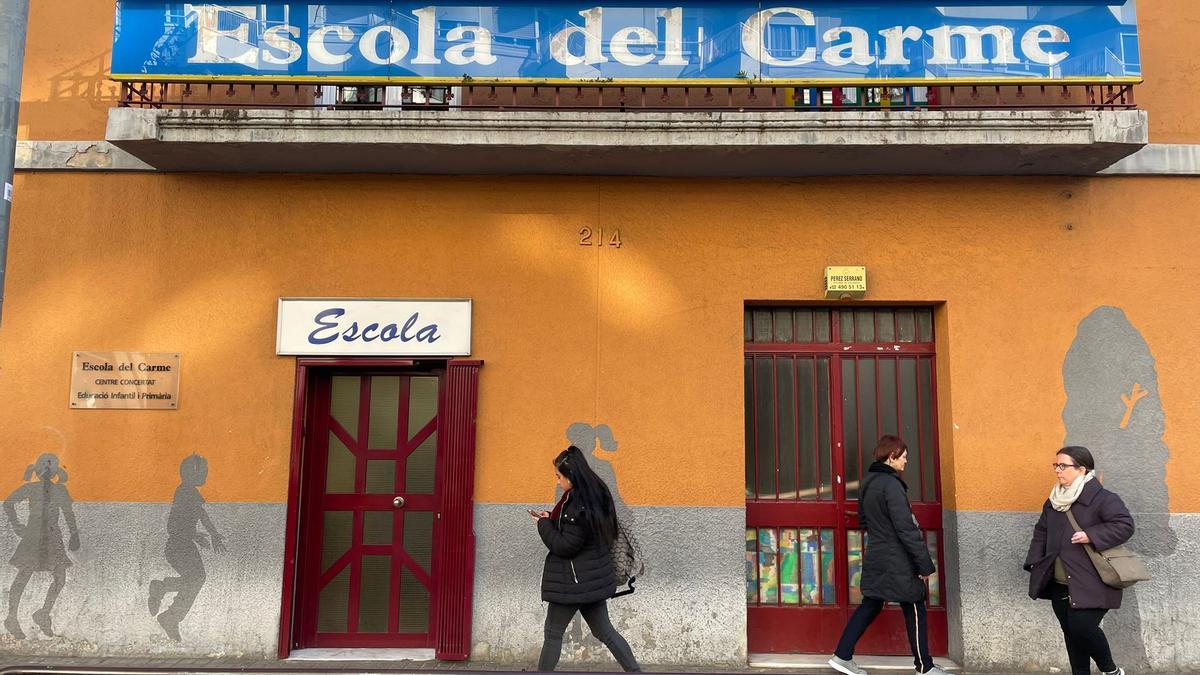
{"x":645,"y":284}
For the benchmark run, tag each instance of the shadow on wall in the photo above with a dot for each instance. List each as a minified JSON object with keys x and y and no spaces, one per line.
{"x":600,"y":447}
{"x":41,"y":547}
{"x":184,"y":541}
{"x":1113,"y":409}
{"x":598,"y":444}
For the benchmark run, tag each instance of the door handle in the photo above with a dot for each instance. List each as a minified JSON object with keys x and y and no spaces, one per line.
{"x":398,"y":502}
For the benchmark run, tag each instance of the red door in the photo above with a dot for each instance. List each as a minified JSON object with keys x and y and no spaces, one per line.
{"x":370,"y":523}
{"x":821,"y":386}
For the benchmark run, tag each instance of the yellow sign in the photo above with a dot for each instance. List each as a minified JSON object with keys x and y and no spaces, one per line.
{"x":133,"y":380}
{"x":845,"y":282}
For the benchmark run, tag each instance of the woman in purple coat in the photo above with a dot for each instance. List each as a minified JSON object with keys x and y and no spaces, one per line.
{"x":1059,"y":566}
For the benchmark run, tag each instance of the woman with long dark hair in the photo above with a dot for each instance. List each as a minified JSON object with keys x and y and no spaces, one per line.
{"x":1058,"y":564}
{"x":578,"y":574}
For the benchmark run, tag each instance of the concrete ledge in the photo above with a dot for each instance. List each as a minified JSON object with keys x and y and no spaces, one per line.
{"x":75,"y":156}
{"x":1017,"y":142}
{"x":1160,"y":159}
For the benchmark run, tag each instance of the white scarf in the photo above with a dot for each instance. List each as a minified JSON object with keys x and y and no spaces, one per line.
{"x":1063,"y":496}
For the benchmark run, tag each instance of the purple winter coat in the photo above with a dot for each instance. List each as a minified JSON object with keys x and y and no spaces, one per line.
{"x":1107,"y":522}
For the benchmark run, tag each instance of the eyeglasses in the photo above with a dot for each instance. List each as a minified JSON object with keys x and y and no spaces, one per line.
{"x":1063,"y":467}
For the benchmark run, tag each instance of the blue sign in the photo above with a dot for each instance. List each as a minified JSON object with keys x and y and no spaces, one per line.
{"x":808,"y":41}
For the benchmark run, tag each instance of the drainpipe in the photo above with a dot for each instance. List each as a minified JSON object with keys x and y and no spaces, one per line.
{"x":13,"y":16}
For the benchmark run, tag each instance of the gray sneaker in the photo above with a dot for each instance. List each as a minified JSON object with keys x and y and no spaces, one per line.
{"x":847,"y":667}
{"x":933,"y":671}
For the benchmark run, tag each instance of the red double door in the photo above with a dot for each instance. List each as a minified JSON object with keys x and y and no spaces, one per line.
{"x":821,"y":386}
{"x":385,"y":548}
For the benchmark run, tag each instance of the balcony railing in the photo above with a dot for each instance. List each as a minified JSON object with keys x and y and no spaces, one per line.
{"x":623,"y":128}
{"x":609,"y":97}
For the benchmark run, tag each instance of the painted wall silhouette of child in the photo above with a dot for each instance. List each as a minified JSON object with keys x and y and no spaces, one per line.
{"x":586,"y":437}
{"x":41,"y":548}
{"x":182,"y":552}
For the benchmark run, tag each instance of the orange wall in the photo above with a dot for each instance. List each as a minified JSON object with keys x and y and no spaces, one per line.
{"x":65,"y":94}
{"x":646,"y":338}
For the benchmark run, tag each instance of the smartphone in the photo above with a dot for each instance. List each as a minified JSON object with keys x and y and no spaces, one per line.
{"x":534,"y":513}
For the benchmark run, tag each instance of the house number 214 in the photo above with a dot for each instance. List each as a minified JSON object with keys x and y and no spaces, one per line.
{"x":586,"y":236}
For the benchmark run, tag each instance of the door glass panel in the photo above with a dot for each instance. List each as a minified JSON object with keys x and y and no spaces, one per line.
{"x":418,"y":537}
{"x":824,"y":444}
{"x":785,"y":404}
{"x":822,"y":325}
{"x":335,"y":537}
{"x":422,"y":403}
{"x":806,"y":430}
{"x":868,"y":427}
{"x":864,"y":325}
{"x":908,"y":426}
{"x":804,"y":325}
{"x":747,"y":329}
{"x":768,"y":571}
{"x":377,"y":528}
{"x":420,"y":467}
{"x":846,"y":326}
{"x":925,"y":325}
{"x":888,"y":410}
{"x":850,"y":427}
{"x":885,"y":326}
{"x":414,"y":604}
{"x":789,"y":571}
{"x":854,"y":558}
{"x":339,"y":470}
{"x":810,"y":575}
{"x":385,"y":406}
{"x":762,"y":325}
{"x":783,"y":325}
{"x":750,"y":425}
{"x":765,"y":389}
{"x":828,"y":589}
{"x":906,"y":329}
{"x":381,"y":476}
{"x":934,"y":581}
{"x":343,"y":402}
{"x":374,"y":593}
{"x":333,"y":604}
{"x":927,"y":429}
{"x":751,"y":565}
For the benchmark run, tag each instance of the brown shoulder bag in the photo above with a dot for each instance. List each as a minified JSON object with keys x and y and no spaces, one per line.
{"x":1118,"y":566}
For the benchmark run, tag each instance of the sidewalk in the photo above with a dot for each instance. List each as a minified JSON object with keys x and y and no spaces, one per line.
{"x":762,"y":666}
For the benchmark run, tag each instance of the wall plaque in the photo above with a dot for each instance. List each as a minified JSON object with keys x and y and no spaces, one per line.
{"x":131,"y":380}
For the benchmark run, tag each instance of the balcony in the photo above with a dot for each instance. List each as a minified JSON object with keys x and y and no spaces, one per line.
{"x":601,"y":128}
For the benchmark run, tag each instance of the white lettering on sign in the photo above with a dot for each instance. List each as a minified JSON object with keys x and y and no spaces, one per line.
{"x":374,"y":327}
{"x":224,"y":36}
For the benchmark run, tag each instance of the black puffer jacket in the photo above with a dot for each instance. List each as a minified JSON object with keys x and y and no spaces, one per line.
{"x":896,"y":554}
{"x":578,"y":568}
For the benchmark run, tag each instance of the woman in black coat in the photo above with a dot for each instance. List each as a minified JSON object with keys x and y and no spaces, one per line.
{"x":578,"y":573}
{"x":896,"y":562}
{"x":1059,"y":567}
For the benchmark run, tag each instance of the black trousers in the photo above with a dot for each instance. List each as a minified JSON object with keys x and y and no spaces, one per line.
{"x":596,"y":615}
{"x":914,"y":621}
{"x":1081,"y":631}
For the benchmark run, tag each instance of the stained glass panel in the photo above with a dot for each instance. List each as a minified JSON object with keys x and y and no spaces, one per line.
{"x":768,"y":570}
{"x":789,"y":569}
{"x":828,"y":590}
{"x":751,"y":565}
{"x":854,"y":557}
